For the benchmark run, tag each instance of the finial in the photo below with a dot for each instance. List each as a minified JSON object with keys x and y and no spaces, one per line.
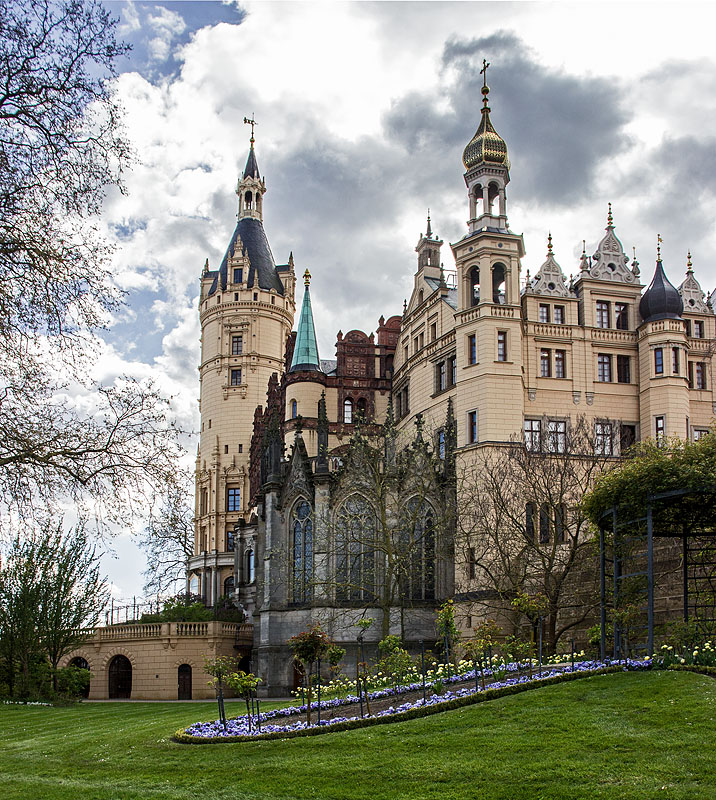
{"x":584,"y":247}
{"x":659,"y":241}
{"x":307,"y":278}
{"x":206,"y":266}
{"x":549,"y":244}
{"x":442,"y":275}
{"x":405,"y":306}
{"x":429,"y":231}
{"x":610,"y":218}
{"x":290,"y":259}
{"x":419,"y":422}
{"x":485,"y":87}
{"x":689,"y":265}
{"x":251,"y":122}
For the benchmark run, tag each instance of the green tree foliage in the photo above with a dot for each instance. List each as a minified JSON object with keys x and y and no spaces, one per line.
{"x":654,"y":468}
{"x":220,"y":669}
{"x":51,"y":591}
{"x":244,"y":684}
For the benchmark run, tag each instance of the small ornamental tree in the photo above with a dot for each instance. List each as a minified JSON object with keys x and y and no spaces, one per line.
{"x":335,"y":655}
{"x":486,"y":635}
{"x":395,"y":661}
{"x":533,"y":606}
{"x":243,"y":683}
{"x":220,"y":668}
{"x":448,"y":633}
{"x":307,"y":648}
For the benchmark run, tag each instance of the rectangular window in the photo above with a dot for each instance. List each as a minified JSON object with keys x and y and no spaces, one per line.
{"x":559,"y":315}
{"x":560,"y":360}
{"x":660,"y":428}
{"x":472,"y":349}
{"x":241,"y":448}
{"x":441,"y":377}
{"x":237,"y":345}
{"x":533,"y":435}
{"x":560,"y":523}
{"x":236,"y":377}
{"x":557,"y":436}
{"x":545,"y":363}
{"x":604,"y":368}
{"x":602,"y":314}
{"x":226,"y":449}
{"x":699,"y":433}
{"x":621,"y":316}
{"x":675,"y":360}
{"x":441,"y":444}
{"x":471,"y":427}
{"x":203,"y":501}
{"x":502,"y":345}
{"x":416,"y":346}
{"x":659,"y":361}
{"x":627,"y":437}
{"x":698,"y":329}
{"x":452,"y":370}
{"x":700,"y":375}
{"x":421,"y":337}
{"x":543,"y":312}
{"x":623,"y":369}
{"x":233,"y":499}
{"x":687,"y":324}
{"x":406,"y":355}
{"x":471,"y":563}
{"x":603,"y":441}
{"x":238,"y":275}
{"x":433,"y":331}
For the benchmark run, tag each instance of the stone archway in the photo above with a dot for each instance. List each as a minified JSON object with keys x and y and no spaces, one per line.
{"x":120,"y":678}
{"x":81,"y":663}
{"x":184,"y":682}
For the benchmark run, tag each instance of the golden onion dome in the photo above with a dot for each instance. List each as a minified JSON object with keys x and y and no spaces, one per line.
{"x":486,"y":145}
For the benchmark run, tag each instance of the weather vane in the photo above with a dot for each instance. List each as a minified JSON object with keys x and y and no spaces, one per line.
{"x":251,"y":122}
{"x":659,"y":242}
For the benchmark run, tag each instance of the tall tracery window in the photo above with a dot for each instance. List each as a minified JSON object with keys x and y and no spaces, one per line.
{"x":417,"y":550}
{"x":355,"y":549}
{"x":348,"y":411}
{"x":302,"y":548}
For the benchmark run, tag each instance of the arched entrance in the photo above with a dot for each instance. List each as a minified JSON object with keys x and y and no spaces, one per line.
{"x":184,"y":682}
{"x":82,"y":663}
{"x":120,"y":678}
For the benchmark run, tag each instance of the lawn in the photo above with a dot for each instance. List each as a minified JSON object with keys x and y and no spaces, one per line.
{"x":629,"y":735}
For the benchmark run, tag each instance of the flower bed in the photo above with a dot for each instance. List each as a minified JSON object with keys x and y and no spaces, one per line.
{"x":237,"y":729}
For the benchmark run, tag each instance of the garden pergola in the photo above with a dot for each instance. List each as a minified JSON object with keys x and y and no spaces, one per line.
{"x":685,"y":514}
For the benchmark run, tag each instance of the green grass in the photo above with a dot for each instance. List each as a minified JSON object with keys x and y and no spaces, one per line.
{"x":629,"y":735}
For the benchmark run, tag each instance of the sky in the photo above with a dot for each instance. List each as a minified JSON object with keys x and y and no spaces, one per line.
{"x":363,"y":111}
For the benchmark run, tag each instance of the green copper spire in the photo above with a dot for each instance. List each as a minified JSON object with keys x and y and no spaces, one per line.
{"x":305,"y":353}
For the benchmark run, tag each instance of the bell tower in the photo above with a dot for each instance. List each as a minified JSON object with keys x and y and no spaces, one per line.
{"x":488,"y":317}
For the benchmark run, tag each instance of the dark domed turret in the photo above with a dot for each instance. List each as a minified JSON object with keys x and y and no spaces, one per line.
{"x":661,"y":300}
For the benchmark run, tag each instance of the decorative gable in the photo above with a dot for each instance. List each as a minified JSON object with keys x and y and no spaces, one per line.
{"x":609,"y":263}
{"x":692,"y":294}
{"x":550,"y":280}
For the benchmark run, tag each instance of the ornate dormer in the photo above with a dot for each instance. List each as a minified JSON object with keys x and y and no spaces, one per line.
{"x":691,"y":293}
{"x":609,"y":263}
{"x":251,"y":187}
{"x":488,"y":171}
{"x":550,"y":279}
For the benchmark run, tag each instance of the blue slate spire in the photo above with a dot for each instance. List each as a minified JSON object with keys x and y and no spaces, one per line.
{"x":305,"y":353}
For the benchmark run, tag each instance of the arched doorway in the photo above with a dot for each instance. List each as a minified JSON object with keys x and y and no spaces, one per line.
{"x":120,"y":678}
{"x":184,"y":681}
{"x":82,"y":663}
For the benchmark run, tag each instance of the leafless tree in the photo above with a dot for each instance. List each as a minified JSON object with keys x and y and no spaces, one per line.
{"x":168,"y":539}
{"x":521,"y":528}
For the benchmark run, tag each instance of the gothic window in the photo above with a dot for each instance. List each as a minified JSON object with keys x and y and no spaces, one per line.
{"x":417,"y":551}
{"x":229,"y":586}
{"x":302,"y":551}
{"x":294,"y":409}
{"x":544,"y":524}
{"x":355,"y":549}
{"x":248,"y":198}
{"x":348,"y":411}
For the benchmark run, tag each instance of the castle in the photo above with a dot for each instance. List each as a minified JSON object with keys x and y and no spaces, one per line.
{"x":286,"y":507}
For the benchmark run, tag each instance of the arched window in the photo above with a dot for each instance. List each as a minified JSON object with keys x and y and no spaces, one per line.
{"x":229,"y":586}
{"x":355,"y":549}
{"x":474,"y":286}
{"x":362,"y":408}
{"x":498,"y":283}
{"x":249,"y":568}
{"x":302,"y":549}
{"x":421,"y":296}
{"x":416,"y":566}
{"x":294,"y":409}
{"x":248,"y":199}
{"x":348,"y":411}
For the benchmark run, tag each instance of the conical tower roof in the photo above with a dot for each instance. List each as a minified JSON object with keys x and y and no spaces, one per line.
{"x":661,"y":300}
{"x":305,"y":352}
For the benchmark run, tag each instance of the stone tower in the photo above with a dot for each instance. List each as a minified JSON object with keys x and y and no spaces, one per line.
{"x":246,"y":310}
